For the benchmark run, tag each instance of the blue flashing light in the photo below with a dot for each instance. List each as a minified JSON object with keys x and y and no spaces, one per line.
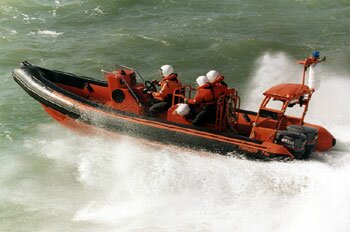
{"x":316,"y":54}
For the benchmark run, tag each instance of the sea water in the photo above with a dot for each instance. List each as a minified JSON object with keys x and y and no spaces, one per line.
{"x":53,"y":179}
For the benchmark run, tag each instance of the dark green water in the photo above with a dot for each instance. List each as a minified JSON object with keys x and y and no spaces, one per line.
{"x":55,"y":180}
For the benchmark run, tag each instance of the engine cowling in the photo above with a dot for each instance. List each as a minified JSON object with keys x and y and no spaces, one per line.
{"x":301,"y":141}
{"x":311,"y":134}
{"x":293,"y":141}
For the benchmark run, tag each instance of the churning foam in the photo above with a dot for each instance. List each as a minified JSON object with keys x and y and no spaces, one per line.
{"x":146,"y":187}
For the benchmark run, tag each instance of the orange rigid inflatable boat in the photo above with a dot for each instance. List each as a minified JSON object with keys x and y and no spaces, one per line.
{"x":121,"y":103}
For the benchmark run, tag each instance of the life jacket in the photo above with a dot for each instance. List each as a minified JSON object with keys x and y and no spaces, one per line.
{"x":168,"y":85}
{"x":204,"y":95}
{"x":221,"y":88}
{"x":220,"y":79}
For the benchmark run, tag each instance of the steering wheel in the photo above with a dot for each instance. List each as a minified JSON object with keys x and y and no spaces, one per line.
{"x":149,"y":87}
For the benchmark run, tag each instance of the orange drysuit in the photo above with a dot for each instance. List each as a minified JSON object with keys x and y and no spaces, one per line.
{"x":168,"y":85}
{"x":205,"y":94}
{"x":220,"y":87}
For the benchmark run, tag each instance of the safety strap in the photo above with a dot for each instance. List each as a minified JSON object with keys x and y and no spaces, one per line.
{"x":88,"y":87}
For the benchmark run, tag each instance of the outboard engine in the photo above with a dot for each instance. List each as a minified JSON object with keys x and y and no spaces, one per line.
{"x":293,"y":141}
{"x":311,"y":137}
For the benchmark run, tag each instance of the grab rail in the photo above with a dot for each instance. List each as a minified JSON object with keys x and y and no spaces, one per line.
{"x":115,"y":66}
{"x":181,"y":95}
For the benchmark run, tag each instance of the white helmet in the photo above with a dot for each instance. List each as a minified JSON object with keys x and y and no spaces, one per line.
{"x":202,"y":80}
{"x":167,"y":70}
{"x":212,"y":75}
{"x":182,"y":109}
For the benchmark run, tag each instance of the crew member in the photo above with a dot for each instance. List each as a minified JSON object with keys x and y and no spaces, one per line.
{"x":217,"y":82}
{"x":168,"y":84}
{"x":204,"y":100}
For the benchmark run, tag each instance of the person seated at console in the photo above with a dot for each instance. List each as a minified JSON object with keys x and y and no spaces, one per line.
{"x":168,"y":84}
